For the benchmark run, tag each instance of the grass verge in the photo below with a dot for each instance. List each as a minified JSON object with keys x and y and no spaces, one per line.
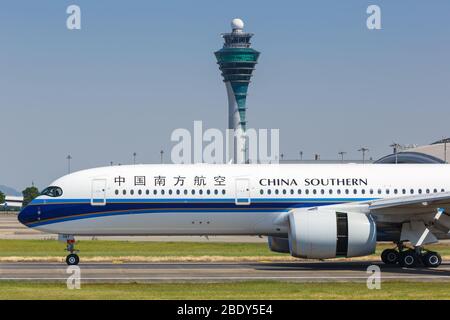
{"x":229,"y":290}
{"x":102,"y":250}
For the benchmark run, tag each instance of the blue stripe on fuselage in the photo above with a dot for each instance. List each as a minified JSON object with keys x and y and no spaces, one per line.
{"x":59,"y":210}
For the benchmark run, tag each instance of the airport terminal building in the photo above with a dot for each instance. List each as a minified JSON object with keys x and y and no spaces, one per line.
{"x":12,"y":203}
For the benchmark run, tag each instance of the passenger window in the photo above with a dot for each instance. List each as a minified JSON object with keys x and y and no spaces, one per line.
{"x":117,"y":192}
{"x":124,"y":192}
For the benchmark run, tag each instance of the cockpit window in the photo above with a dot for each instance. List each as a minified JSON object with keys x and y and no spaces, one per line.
{"x":52,"y":192}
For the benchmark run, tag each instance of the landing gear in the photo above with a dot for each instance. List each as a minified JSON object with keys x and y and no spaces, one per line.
{"x":72,"y":259}
{"x":411,"y":258}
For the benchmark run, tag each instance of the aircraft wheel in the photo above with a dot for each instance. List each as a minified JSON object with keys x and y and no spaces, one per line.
{"x":408,"y":259}
{"x":72,"y":259}
{"x":432,"y":259}
{"x":390,"y":256}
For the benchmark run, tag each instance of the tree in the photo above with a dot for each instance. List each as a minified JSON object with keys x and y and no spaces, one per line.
{"x":2,"y":197}
{"x":29,"y":194}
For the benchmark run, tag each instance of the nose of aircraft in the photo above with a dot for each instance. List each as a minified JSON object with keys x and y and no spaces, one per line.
{"x":25,"y":215}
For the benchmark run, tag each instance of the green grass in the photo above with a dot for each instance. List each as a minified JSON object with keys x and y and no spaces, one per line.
{"x":94,"y":248}
{"x":232,"y":291}
{"x":99,"y":248}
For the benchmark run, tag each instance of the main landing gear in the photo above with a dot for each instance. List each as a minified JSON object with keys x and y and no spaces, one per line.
{"x":72,"y":259}
{"x":411,"y":257}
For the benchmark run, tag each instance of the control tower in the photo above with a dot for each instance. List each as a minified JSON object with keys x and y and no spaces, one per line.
{"x":237,"y":61}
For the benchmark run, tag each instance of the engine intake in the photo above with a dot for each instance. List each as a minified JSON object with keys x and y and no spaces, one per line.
{"x":322,"y":234}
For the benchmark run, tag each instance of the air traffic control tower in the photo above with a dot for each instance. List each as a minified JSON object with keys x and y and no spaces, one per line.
{"x":237,"y":61}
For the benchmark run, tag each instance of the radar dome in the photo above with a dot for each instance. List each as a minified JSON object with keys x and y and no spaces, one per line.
{"x":237,"y":24}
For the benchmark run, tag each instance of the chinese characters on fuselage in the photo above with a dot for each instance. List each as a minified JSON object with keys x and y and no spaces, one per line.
{"x":177,"y":181}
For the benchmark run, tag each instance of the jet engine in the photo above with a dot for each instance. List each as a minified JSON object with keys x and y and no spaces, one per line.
{"x":322,"y":234}
{"x":277,"y":244}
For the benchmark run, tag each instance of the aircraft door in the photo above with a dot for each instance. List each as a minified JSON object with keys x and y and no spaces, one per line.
{"x":242,"y":191}
{"x":98,"y":192}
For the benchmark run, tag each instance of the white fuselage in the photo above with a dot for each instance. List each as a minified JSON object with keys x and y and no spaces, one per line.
{"x":207,"y":199}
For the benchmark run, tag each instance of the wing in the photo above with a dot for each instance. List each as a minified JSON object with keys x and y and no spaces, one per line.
{"x":421,"y":216}
{"x":420,"y":204}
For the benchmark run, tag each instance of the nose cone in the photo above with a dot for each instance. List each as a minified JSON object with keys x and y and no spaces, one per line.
{"x":26,"y":215}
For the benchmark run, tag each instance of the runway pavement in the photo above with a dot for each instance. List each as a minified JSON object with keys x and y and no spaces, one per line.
{"x":215,"y":272}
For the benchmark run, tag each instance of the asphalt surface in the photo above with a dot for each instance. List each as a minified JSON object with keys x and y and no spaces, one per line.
{"x":210,"y":272}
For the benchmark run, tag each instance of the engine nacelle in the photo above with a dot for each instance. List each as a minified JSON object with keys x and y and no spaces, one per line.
{"x":278,"y":244}
{"x":322,"y":234}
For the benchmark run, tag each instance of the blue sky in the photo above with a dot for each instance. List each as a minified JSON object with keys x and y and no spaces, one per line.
{"x":139,"y":69}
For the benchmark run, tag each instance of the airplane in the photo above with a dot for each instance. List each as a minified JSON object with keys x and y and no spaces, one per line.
{"x":307,"y":210}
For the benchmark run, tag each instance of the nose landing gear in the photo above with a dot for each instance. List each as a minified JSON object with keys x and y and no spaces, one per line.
{"x":72,"y":259}
{"x":411,"y":258}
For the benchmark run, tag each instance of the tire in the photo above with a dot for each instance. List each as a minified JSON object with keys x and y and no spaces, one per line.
{"x":408,"y":259}
{"x":72,"y":259}
{"x":390,"y":256}
{"x":432,"y":259}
